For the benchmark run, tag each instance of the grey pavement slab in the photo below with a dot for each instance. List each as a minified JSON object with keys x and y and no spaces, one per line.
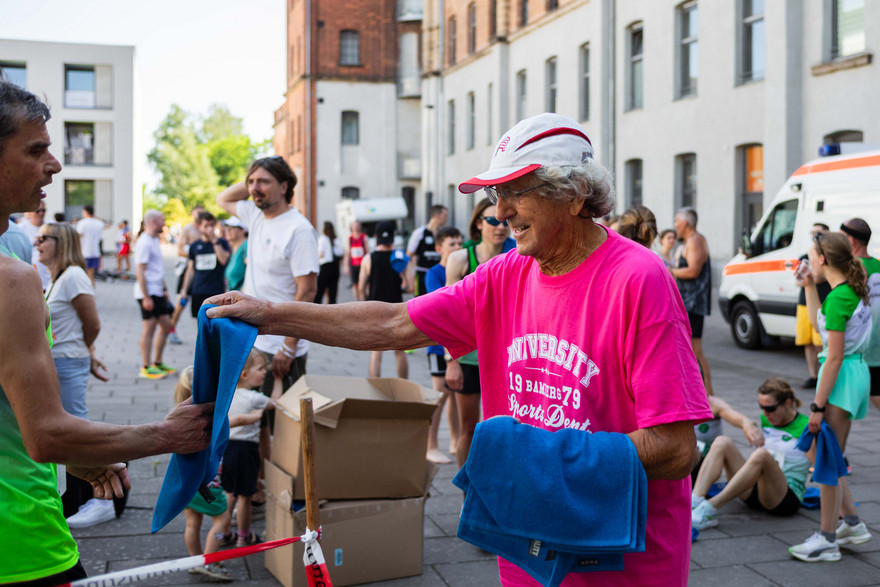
{"x":746,"y":548}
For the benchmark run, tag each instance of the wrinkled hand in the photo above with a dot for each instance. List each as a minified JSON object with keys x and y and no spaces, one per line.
{"x":280,"y":365}
{"x":816,"y":422}
{"x":454,"y":376}
{"x":235,"y":304}
{"x":96,"y":364}
{"x":188,"y":427}
{"x":106,"y":481}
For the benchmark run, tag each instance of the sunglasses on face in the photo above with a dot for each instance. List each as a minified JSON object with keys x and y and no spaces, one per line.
{"x":41,"y":238}
{"x":771,"y":408}
{"x":40,"y":211}
{"x":494,"y":194}
{"x":818,"y":240}
{"x":494,"y":221}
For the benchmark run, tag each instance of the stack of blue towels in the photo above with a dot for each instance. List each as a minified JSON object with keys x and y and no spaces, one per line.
{"x":553,"y":503}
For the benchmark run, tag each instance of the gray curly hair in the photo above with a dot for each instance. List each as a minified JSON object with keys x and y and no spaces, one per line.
{"x":589,"y":181}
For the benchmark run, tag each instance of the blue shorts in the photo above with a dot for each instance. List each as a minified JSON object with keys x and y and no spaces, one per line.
{"x":852,"y":389}
{"x":93,"y":262}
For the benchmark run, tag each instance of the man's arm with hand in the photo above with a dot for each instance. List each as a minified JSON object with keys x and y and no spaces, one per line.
{"x":228,"y":198}
{"x":667,"y":451}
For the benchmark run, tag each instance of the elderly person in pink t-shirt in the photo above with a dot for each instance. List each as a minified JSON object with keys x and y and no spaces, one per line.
{"x":578,"y":328}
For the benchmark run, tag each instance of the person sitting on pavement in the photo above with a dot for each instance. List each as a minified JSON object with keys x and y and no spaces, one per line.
{"x":707,"y":432}
{"x":759,"y":480}
{"x":36,"y":544}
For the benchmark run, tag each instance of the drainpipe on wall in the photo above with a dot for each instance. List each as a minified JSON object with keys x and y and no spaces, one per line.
{"x":310,"y":182}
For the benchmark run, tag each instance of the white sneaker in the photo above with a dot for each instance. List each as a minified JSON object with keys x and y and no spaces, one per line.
{"x":696,"y":500}
{"x":92,"y":512}
{"x":816,"y":549}
{"x":704,"y":516}
{"x":173,"y":338}
{"x":857,"y":534}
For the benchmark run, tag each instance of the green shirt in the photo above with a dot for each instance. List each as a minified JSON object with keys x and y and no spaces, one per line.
{"x":844,"y":311}
{"x":35,"y":541}
{"x":872,"y":266}
{"x":782,"y":444}
{"x":235,"y":267}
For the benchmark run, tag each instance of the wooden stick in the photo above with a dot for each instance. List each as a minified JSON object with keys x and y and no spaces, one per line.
{"x":307,"y":426}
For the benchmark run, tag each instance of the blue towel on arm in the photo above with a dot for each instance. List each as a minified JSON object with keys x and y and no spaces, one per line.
{"x":553,"y":502}
{"x":222,"y":347}
{"x":829,"y":463}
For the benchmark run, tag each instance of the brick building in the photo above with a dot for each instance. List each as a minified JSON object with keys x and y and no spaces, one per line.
{"x":350,"y":123}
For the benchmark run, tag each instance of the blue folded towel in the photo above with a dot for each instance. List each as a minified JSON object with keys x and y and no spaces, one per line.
{"x":829,"y":465}
{"x":542,"y":499}
{"x":222,"y":347}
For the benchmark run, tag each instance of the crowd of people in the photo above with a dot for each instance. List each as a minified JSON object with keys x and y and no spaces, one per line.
{"x":590,"y":325}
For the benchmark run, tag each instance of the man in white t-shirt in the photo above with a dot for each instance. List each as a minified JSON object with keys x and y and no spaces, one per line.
{"x":31,"y":224}
{"x":152,"y":296}
{"x":91,"y":231}
{"x":282,"y":257}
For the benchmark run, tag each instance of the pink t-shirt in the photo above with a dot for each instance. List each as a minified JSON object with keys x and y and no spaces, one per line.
{"x":605,"y":347}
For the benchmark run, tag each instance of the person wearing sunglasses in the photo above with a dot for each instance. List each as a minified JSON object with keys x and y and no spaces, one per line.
{"x":773,"y":478}
{"x":580,"y":329}
{"x":843,"y":321}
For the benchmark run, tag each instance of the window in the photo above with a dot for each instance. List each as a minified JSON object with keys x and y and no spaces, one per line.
{"x":489,"y":136}
{"x":78,"y":193}
{"x":14,"y":72}
{"x":751,"y":187}
{"x":584,"y":78}
{"x":493,"y":19}
{"x":688,"y":49}
{"x":752,"y":41}
{"x":523,"y":12}
{"x":847,"y":28}
{"x":552,"y":5}
{"x":79,"y":86}
{"x":844,"y":136}
{"x":349,"y":48}
{"x":521,"y":94}
{"x":472,"y":28}
{"x":634,"y":96}
{"x":550,"y":82}
{"x":452,"y":40}
{"x":350,"y":130}
{"x":451,"y":128}
{"x":471,"y":122}
{"x":686,"y":180}
{"x":633,"y":170}
{"x":778,"y":231}
{"x":409,"y":10}
{"x":79,"y":146}
{"x":351,"y":193}
{"x":409,"y":80}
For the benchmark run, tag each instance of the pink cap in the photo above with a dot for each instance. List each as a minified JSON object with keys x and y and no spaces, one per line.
{"x":545,"y":139}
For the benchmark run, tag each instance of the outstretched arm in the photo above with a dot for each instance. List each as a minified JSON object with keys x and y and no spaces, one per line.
{"x":750,"y":428}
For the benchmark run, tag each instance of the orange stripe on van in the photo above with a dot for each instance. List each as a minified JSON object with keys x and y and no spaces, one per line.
{"x":871,"y":161}
{"x":761,"y":267}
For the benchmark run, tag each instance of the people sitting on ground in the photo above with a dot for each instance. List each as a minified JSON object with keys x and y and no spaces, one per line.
{"x":707,"y":432}
{"x":759,"y":480}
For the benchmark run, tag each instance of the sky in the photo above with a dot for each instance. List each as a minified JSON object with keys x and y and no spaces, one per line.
{"x":190,"y":52}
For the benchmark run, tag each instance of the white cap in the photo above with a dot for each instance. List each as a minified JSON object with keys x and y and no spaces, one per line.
{"x":545,"y":139}
{"x":233,"y":221}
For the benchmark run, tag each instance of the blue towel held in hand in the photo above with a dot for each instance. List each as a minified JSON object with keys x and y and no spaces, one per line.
{"x":829,"y":458}
{"x":222,"y":348}
{"x":553,"y":503}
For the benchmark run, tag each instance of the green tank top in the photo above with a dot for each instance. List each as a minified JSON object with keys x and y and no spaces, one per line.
{"x":35,"y":541}
{"x":471,"y":358}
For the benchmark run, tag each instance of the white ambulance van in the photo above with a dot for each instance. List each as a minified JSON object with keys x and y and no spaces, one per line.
{"x":758,"y":295}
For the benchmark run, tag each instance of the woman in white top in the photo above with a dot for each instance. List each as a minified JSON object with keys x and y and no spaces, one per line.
{"x":330,"y":252}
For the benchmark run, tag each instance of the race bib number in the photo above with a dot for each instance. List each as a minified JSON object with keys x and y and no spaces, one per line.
{"x":206,"y":262}
{"x":357,"y":252}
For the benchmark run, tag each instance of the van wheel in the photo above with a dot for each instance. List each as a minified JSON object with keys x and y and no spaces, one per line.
{"x":745,"y":326}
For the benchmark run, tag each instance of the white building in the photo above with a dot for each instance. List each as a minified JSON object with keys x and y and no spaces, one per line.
{"x":710,"y":104}
{"x":90,"y":90}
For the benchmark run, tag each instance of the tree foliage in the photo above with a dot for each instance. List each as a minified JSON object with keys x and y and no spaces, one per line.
{"x":196,"y":158}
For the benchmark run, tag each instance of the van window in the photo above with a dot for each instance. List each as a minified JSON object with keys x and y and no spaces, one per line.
{"x":778,"y":231}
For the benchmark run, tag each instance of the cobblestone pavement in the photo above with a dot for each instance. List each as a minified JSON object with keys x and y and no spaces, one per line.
{"x":746,"y":548}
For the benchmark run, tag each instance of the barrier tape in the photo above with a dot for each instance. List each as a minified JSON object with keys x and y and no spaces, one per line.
{"x":190,"y":562}
{"x":316,"y":567}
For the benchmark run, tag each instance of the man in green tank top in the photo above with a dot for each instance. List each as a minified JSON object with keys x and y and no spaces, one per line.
{"x":35,"y":431}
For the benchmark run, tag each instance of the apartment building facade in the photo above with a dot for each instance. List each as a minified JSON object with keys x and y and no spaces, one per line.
{"x":90,"y":89}
{"x":350,"y":124}
{"x":694,"y":103}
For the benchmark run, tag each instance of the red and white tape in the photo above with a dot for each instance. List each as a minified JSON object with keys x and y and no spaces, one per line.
{"x":190,"y":562}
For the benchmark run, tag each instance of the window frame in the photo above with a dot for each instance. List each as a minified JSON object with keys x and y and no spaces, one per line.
{"x":16,"y":66}
{"x":350,"y":48}
{"x":584,"y":81}
{"x":750,"y":20}
{"x":521,"y":95}
{"x":686,"y":85}
{"x":450,"y":127}
{"x":685,"y":190}
{"x":472,"y":28}
{"x":470,"y":128}
{"x":551,"y":83}
{"x":347,"y":122}
{"x":635,"y":95}
{"x":452,"y":35}
{"x":836,"y":42}
{"x":634,"y":181}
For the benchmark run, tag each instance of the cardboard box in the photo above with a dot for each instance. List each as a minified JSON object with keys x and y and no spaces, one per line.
{"x":362,"y":541}
{"x":370,"y":439}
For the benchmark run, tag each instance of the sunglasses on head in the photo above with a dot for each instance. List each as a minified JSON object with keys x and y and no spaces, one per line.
{"x":494,"y":221}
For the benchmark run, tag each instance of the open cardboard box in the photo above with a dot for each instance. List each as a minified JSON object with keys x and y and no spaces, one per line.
{"x":371,"y":436}
{"x":362,"y":541}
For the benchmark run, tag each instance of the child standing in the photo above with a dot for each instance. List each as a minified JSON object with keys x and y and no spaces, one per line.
{"x":198,"y":507}
{"x":241,"y":461}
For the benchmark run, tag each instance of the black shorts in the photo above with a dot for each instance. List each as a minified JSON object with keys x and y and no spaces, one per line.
{"x":789,"y":505}
{"x":72,"y":574}
{"x":696,"y":322}
{"x":241,"y":467}
{"x":436,"y":365}
{"x":471,"y":376}
{"x":355,"y":274}
{"x":195,"y":302}
{"x":875,"y":380}
{"x":161,"y":307}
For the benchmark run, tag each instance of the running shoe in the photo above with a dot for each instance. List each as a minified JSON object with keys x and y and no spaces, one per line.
{"x":165,"y":368}
{"x":816,"y":549}
{"x":214,"y":571}
{"x":173,"y":338}
{"x":253,"y":538}
{"x":93,"y":512}
{"x":857,"y":534}
{"x":152,"y":372}
{"x":704,"y":516}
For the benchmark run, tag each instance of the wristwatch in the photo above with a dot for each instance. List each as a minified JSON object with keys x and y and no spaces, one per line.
{"x":815,"y":408}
